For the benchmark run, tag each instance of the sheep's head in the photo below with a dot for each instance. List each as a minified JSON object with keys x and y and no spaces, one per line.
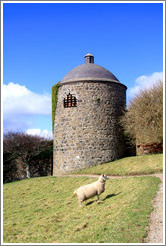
{"x":103,"y":178}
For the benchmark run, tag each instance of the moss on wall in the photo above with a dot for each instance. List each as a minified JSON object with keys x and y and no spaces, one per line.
{"x":54,"y":101}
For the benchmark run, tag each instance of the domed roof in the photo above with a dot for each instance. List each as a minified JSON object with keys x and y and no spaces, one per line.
{"x":89,"y":71}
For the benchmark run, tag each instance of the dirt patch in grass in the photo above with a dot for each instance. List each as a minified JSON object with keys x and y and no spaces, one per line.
{"x":155,"y":227}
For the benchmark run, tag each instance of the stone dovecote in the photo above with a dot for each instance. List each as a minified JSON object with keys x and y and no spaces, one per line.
{"x":86,"y":126}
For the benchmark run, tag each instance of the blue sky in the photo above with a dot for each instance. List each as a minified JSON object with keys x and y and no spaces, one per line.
{"x":44,"y":41}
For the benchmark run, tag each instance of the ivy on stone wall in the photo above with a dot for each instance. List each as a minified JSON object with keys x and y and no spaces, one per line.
{"x":54,"y":101}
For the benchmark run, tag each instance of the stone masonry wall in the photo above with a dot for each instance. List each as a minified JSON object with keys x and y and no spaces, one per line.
{"x":88,"y":134}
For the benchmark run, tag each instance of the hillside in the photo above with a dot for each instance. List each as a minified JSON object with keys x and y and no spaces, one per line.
{"x":145,"y":164}
{"x":42,"y":210}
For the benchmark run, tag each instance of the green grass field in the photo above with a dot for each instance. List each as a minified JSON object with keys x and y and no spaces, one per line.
{"x":145,"y":164}
{"x":42,"y":210}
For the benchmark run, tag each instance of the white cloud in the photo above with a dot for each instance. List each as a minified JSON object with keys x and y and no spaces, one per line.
{"x":144,"y":82}
{"x":38,"y":132}
{"x":18,"y":100}
{"x":21,"y":107}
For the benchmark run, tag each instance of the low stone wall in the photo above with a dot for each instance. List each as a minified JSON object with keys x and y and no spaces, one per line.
{"x":151,"y":148}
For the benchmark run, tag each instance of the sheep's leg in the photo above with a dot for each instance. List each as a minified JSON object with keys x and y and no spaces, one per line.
{"x":80,"y":204}
{"x":98,"y":201}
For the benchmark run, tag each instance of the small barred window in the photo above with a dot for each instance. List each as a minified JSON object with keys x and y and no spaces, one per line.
{"x":70,"y":101}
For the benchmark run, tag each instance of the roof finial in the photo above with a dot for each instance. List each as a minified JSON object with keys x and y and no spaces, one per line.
{"x":89,"y":58}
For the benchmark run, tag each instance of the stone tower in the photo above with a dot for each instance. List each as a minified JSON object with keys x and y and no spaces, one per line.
{"x":86,"y":126}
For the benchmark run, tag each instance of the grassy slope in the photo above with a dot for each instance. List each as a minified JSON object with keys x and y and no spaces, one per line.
{"x":145,"y":164}
{"x":42,"y":210}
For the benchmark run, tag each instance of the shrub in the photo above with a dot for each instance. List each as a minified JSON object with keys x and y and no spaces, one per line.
{"x":26,"y":156}
{"x":143,"y":121}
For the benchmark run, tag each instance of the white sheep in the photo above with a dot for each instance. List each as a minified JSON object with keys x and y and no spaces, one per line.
{"x":94,"y":189}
